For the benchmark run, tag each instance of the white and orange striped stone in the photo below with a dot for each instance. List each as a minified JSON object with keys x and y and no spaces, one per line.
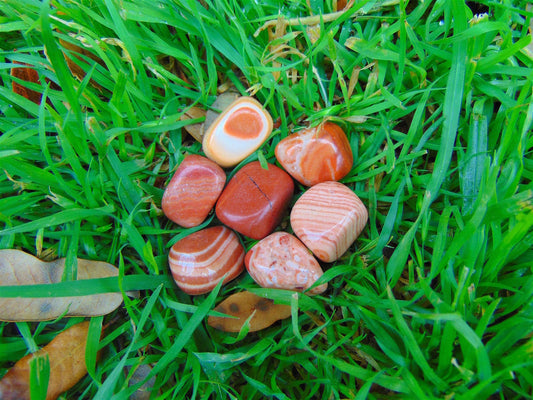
{"x":281,"y":261}
{"x":328,"y":218}
{"x":317,"y":154}
{"x":199,"y":261}
{"x":236,"y":133}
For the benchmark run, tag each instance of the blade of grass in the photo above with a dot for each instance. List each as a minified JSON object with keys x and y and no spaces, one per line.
{"x":451,"y":112}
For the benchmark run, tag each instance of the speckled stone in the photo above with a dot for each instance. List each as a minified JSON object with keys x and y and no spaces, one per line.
{"x":281,"y":261}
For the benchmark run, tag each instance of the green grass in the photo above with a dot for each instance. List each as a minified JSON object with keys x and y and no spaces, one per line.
{"x":434,"y":300}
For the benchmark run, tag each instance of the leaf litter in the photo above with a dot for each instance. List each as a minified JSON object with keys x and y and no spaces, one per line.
{"x":20,"y":268}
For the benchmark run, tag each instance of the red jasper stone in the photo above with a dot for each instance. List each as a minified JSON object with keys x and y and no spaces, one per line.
{"x":255,"y":199}
{"x":199,"y":261}
{"x":193,"y":191}
{"x":316,"y":155}
{"x":327,"y":218}
{"x":281,"y":261}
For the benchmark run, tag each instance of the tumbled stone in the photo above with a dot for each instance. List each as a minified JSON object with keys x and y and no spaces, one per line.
{"x":193,"y":191}
{"x":327,"y":218}
{"x":199,"y":261}
{"x":237,"y":132}
{"x":316,"y":155}
{"x":281,"y":261}
{"x":255,"y":199}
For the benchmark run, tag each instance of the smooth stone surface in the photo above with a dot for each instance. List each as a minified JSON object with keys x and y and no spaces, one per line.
{"x":193,"y":191}
{"x":255,"y":199}
{"x":327,"y":218}
{"x":237,"y":132}
{"x":199,"y":261}
{"x":281,"y":261}
{"x":316,"y":155}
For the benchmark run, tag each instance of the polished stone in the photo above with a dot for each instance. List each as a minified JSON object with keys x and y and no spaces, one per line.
{"x":328,"y":218}
{"x":237,"y":132}
{"x":281,"y":261}
{"x":255,"y":200}
{"x":315,"y":155}
{"x":193,"y":191}
{"x":199,"y":261}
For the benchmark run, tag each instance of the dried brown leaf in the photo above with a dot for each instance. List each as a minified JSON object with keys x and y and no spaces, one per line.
{"x":198,"y":130}
{"x":66,"y":354}
{"x":81,"y":54}
{"x":20,"y":268}
{"x":195,"y":130}
{"x":26,"y":74}
{"x":245,"y":304}
{"x":223,"y":101}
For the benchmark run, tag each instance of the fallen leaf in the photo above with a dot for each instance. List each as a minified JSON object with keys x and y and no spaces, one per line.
{"x":20,"y":268}
{"x":140,"y":373}
{"x":81,"y":54}
{"x":223,"y":101}
{"x":66,"y":355}
{"x":341,"y":5}
{"x":195,"y":130}
{"x":243,"y":305}
{"x":26,"y":74}
{"x":198,"y":130}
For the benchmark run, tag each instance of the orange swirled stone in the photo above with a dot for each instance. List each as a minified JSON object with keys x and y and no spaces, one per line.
{"x":316,"y":155}
{"x":237,"y":132}
{"x":327,"y":218}
{"x":199,"y":261}
{"x":255,"y":200}
{"x":193,"y":191}
{"x":281,"y":261}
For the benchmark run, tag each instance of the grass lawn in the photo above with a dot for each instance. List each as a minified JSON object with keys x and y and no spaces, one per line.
{"x":433,"y":300}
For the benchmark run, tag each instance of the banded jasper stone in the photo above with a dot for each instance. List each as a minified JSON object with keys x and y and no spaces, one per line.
{"x":255,"y":199}
{"x":237,"y":132}
{"x":193,"y":191}
{"x":199,"y":261}
{"x":316,"y":155}
{"x":281,"y":261}
{"x":327,"y":218}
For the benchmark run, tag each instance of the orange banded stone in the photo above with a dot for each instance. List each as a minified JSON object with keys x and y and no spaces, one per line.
{"x":328,"y":218}
{"x":315,"y":155}
{"x":199,"y":261}
{"x":193,"y":191}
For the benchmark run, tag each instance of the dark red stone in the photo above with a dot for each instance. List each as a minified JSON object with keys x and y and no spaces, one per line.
{"x":255,"y":199}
